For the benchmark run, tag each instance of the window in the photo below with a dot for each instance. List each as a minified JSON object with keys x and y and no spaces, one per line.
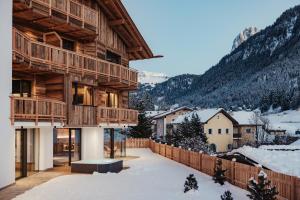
{"x":21,"y":88}
{"x":68,"y":45}
{"x":248,"y":130}
{"x":219,"y":131}
{"x":82,"y":95}
{"x":227,"y":131}
{"x":210,"y":131}
{"x":113,"y":57}
{"x":112,"y":100}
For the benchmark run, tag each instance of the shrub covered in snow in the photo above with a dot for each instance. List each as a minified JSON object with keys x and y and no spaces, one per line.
{"x":219,"y":173}
{"x":261,"y":190}
{"x":190,"y":183}
{"x":227,"y":196}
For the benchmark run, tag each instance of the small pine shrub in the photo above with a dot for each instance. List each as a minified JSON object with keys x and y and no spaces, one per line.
{"x":227,"y":195}
{"x":261,"y":190}
{"x":219,"y":173}
{"x":190,"y":183}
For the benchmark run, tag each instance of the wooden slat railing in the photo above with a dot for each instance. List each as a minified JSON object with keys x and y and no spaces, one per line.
{"x":116,"y":115}
{"x":69,"y":61}
{"x":72,"y":9}
{"x":37,"y":110}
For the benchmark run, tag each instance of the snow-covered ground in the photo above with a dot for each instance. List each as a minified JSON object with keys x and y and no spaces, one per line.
{"x":286,"y":120}
{"x":151,"y":78}
{"x":280,"y":158}
{"x":150,"y":177}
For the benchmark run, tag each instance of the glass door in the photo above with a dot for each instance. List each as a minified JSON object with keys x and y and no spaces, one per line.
{"x":66,"y":146}
{"x":19,"y":154}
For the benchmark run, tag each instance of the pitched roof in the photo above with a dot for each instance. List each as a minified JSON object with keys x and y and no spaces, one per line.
{"x":245,"y":117}
{"x":154,"y":113}
{"x":172,"y":111}
{"x":204,"y":115}
{"x":123,"y":25}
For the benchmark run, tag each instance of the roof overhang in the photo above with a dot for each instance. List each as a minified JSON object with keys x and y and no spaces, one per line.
{"x":123,"y":25}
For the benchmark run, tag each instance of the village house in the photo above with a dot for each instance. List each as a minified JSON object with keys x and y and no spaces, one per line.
{"x":247,"y":128}
{"x":218,"y":126}
{"x":163,"y":120}
{"x":65,"y":82}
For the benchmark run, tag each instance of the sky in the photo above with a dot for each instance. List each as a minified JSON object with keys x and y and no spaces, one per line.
{"x":193,"y":35}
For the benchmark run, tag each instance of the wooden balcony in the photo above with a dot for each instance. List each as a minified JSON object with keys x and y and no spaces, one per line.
{"x":37,"y":110}
{"x":116,"y":115}
{"x":237,"y":135}
{"x":93,"y":116}
{"x":30,"y":54}
{"x":64,"y":16}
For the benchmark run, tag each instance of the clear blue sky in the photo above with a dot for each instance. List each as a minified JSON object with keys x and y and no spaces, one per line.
{"x":194,"y":35}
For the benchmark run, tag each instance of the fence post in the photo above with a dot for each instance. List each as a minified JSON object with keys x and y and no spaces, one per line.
{"x":232,"y":168}
{"x":200,"y":161}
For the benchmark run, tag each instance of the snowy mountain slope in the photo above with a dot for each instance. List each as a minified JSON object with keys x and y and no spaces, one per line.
{"x":243,"y":36}
{"x":262,"y":71}
{"x":151,"y":78}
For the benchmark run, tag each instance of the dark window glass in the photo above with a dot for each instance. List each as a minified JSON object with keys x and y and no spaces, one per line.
{"x":210,"y":131}
{"x":220,"y":131}
{"x":82,"y":95}
{"x":21,"y":88}
{"x":113,"y":57}
{"x":248,"y":130}
{"x":227,"y":130}
{"x":69,"y":45}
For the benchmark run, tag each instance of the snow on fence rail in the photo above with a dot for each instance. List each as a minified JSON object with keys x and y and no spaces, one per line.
{"x":137,"y":143}
{"x":237,"y":173}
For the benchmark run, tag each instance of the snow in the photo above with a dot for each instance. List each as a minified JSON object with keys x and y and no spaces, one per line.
{"x":154,"y":113}
{"x":150,"y":177}
{"x":287,"y":120}
{"x":171,"y":111}
{"x":279,"y":158}
{"x":151,"y":78}
{"x":244,"y":117}
{"x":204,"y":115}
{"x":243,"y":36}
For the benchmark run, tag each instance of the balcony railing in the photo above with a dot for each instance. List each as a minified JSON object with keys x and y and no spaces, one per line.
{"x":48,"y":57}
{"x":60,"y":13}
{"x":116,"y":115}
{"x":37,"y":110}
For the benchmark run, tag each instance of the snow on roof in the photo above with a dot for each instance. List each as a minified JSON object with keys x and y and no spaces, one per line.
{"x":154,"y":113}
{"x":285,"y":160}
{"x":244,"y":117}
{"x":287,"y":120}
{"x":171,"y":111}
{"x":204,"y":115}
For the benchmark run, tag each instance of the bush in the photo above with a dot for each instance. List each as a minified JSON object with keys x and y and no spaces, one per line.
{"x":190,"y":183}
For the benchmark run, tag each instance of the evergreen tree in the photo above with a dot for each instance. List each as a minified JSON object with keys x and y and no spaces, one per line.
{"x":190,"y":183}
{"x":227,"y":196}
{"x":219,"y":173}
{"x":261,"y":190}
{"x":143,"y":128}
{"x":197,"y":128}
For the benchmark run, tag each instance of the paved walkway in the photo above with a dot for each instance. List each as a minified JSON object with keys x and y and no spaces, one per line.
{"x":27,"y":183}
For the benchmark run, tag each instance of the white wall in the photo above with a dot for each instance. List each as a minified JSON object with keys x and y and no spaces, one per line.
{"x":7,"y":137}
{"x":45,"y":148}
{"x":92,"y":143}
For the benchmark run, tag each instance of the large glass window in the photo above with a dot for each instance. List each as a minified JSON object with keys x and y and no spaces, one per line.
{"x":113,"y":100}
{"x":21,"y":88}
{"x":25,"y":160}
{"x":82,"y":94}
{"x":66,"y":146}
{"x":114,"y":143}
{"x":113,"y":57}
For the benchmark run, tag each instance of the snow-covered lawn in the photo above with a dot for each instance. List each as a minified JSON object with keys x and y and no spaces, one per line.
{"x":150,"y":177}
{"x":280,"y":158}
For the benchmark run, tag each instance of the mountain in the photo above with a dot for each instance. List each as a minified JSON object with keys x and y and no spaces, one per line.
{"x":151,"y":78}
{"x":243,"y":36}
{"x":262,"y":71}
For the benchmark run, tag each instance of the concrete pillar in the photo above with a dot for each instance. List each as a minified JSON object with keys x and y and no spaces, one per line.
{"x":92,"y":143}
{"x":45,"y":148}
{"x":7,"y":136}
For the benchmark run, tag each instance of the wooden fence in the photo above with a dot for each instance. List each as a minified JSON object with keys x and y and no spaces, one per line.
{"x":237,"y":173}
{"x":137,"y":143}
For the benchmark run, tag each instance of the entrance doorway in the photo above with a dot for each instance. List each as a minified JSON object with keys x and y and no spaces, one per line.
{"x":114,"y":143}
{"x":25,"y":159}
{"x":66,"y":146}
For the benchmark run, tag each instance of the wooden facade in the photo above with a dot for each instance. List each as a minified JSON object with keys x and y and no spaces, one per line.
{"x":74,"y":55}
